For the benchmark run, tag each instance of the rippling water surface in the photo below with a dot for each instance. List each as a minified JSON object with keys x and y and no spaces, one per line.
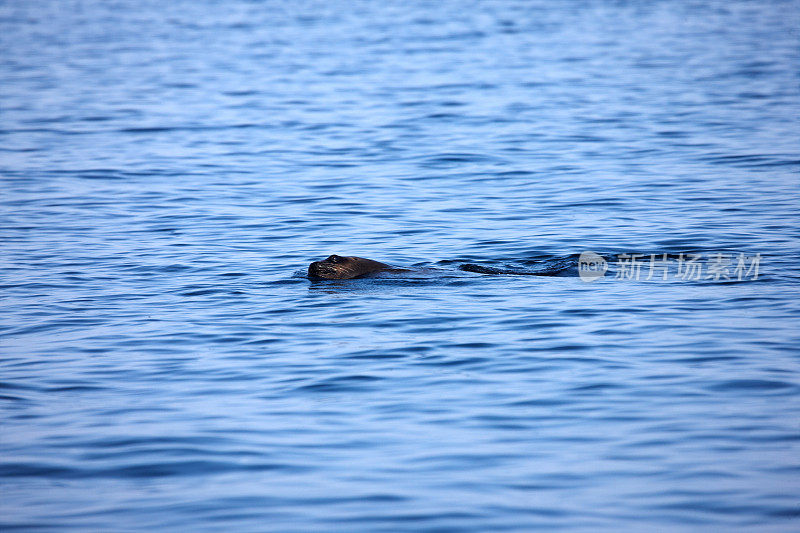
{"x":169,"y":169}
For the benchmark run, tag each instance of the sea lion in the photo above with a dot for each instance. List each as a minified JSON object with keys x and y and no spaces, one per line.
{"x":339,"y":267}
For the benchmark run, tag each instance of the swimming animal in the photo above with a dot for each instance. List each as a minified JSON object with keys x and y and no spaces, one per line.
{"x":344,"y":267}
{"x":349,"y":267}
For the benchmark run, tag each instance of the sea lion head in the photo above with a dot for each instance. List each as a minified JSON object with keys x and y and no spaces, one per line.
{"x":343,"y":267}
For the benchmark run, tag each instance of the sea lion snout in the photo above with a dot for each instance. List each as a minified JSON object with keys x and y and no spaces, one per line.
{"x":334,"y":267}
{"x":319,"y":269}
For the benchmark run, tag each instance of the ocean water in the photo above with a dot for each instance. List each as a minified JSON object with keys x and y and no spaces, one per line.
{"x":170,"y":169}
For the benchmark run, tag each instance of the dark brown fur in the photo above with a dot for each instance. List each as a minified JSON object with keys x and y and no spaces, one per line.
{"x":340,"y":267}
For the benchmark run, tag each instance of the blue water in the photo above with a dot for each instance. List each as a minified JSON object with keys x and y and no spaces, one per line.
{"x":169,"y":170}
